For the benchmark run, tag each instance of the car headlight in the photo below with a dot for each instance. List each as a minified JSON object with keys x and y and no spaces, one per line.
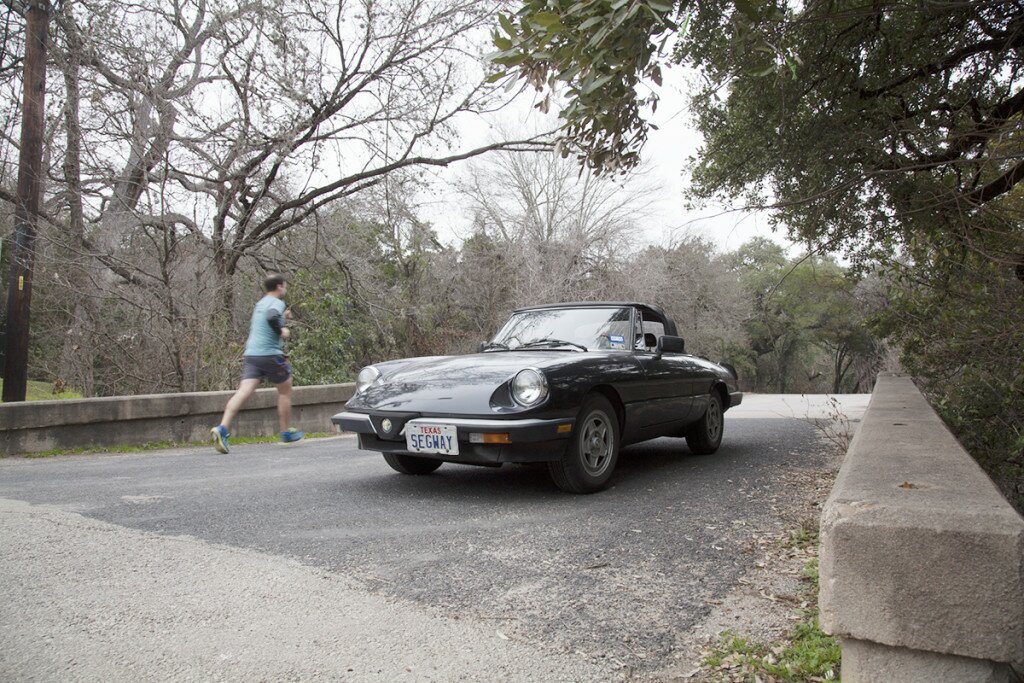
{"x":366,"y":377}
{"x":529,"y":387}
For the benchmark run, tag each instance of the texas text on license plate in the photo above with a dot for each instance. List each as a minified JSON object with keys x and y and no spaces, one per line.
{"x":432,"y":439}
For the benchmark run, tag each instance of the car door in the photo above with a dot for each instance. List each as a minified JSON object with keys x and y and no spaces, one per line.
{"x":667,"y":395}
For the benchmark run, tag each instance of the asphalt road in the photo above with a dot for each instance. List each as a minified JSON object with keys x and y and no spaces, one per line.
{"x":317,"y":560}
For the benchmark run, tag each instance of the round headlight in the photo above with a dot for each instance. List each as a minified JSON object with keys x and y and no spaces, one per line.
{"x":366,"y":377}
{"x":529,"y":387}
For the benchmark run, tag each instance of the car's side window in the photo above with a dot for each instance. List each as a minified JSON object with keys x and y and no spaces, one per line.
{"x":643,"y":342}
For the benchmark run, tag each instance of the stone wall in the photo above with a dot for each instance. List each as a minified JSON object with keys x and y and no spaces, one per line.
{"x":34,"y":426}
{"x":922,"y":559}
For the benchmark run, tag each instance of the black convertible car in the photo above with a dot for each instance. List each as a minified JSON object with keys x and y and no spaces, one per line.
{"x":566,"y":384}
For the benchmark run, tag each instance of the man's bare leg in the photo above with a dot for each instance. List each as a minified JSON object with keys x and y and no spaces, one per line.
{"x":221,"y":432}
{"x":246,"y":388}
{"x":284,"y":404}
{"x":284,"y":413}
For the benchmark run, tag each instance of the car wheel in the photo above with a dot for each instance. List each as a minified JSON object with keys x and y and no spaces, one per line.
{"x":705,"y":437}
{"x":411,"y":464}
{"x":593,"y":450}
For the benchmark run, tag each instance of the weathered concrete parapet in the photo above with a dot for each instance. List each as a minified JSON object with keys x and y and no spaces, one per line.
{"x":922,"y":559}
{"x":34,"y":426}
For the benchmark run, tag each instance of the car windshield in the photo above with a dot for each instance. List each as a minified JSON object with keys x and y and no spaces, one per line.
{"x":566,"y":328}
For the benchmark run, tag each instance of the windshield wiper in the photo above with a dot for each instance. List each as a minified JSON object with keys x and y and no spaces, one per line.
{"x":552,"y":342}
{"x":494,"y":345}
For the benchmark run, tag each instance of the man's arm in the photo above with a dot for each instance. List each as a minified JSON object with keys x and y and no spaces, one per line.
{"x":276,"y":321}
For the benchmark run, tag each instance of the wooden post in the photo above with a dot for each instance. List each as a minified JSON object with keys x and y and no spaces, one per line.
{"x":30,"y":185}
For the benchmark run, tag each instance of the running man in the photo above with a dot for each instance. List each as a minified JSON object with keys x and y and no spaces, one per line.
{"x":264,"y":357}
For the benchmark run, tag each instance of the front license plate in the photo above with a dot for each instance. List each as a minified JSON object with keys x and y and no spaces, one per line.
{"x":432,"y":439}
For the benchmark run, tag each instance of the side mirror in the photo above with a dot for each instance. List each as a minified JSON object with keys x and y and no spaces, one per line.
{"x":669,"y":344}
{"x":480,"y":348}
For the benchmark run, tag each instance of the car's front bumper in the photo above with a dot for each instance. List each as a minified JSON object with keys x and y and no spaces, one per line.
{"x":532,"y":440}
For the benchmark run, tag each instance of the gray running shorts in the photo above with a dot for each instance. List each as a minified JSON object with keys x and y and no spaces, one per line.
{"x":274,"y":368}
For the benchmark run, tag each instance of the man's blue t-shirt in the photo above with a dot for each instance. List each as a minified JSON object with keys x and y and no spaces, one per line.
{"x":263,"y":339}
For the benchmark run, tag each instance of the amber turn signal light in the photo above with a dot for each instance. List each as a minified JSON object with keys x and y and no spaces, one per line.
{"x":490,"y":437}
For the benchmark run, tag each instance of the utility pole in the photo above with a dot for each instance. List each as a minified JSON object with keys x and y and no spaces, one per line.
{"x":30,"y":187}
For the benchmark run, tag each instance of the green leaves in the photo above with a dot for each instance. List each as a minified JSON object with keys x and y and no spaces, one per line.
{"x":549,"y":21}
{"x":600,"y":51}
{"x":748,"y":8}
{"x":328,"y":329}
{"x":841,"y":123}
{"x":594,"y":84}
{"x":620,"y":45}
{"x":957,"y":320}
{"x":806,"y":320}
{"x":507,"y":25}
{"x":502,"y":43}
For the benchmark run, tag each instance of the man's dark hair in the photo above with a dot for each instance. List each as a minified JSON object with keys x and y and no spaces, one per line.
{"x":273,"y":281}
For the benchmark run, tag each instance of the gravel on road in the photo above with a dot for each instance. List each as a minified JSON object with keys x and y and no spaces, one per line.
{"x":84,"y":599}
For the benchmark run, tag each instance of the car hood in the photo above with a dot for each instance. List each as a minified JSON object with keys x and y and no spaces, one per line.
{"x":454,"y":385}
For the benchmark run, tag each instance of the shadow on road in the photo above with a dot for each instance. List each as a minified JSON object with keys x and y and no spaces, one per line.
{"x":659,"y":463}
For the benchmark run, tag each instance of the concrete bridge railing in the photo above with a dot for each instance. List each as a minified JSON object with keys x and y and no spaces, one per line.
{"x":922,"y":559}
{"x":35,"y":426}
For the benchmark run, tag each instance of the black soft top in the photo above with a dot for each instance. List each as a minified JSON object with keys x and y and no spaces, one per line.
{"x":651,"y":312}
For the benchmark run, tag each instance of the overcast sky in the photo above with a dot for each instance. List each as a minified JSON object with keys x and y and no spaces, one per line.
{"x":665,"y":157}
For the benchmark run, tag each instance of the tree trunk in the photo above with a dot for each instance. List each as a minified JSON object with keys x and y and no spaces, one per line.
{"x":837,"y":369}
{"x":77,"y":356}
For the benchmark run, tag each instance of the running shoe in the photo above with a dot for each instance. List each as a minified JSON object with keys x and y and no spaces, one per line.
{"x":220,"y":438}
{"x":291,"y":436}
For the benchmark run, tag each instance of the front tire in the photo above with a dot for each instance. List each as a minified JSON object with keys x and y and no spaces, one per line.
{"x":411,"y":464}
{"x":705,"y":437}
{"x":593,"y":450}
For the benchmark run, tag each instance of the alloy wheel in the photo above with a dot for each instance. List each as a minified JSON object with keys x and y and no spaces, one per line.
{"x":714,"y":420}
{"x":596,"y":444}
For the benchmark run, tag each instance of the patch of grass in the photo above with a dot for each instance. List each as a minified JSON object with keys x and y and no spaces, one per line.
{"x":43,"y":391}
{"x":810,"y":574}
{"x":161,"y":445}
{"x":733,"y":649}
{"x":806,"y":536}
{"x":805,"y":654}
